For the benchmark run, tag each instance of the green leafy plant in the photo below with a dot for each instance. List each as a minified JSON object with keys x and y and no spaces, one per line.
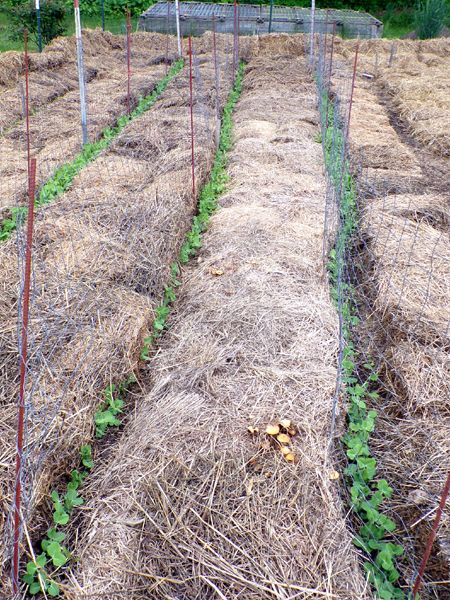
{"x":107,"y":414}
{"x":62,"y":179}
{"x":54,"y":554}
{"x":429,"y":18}
{"x":367,"y":493}
{"x":207,"y":204}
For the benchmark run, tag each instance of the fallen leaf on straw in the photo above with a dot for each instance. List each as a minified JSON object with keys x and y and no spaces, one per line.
{"x":216,"y":272}
{"x":291,"y":457}
{"x":333,"y":475}
{"x":249,"y":489}
{"x":286,"y":423}
{"x":252,"y":430}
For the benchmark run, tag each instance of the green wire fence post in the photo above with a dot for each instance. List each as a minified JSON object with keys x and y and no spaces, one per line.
{"x":39,"y":29}
{"x":270,"y":16}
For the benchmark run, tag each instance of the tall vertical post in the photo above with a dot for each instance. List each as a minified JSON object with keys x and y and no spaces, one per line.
{"x":177,"y":18}
{"x":431,"y":538}
{"x":27,"y":98}
{"x":216,"y":78}
{"x":328,"y":85}
{"x":191,"y":104}
{"x":103,"y":14}
{"x":23,"y":368}
{"x":80,"y":65}
{"x":237,"y":34}
{"x":352,"y":92}
{"x":234,"y":38}
{"x":325,"y":47}
{"x":39,"y":29}
{"x":311,"y":46}
{"x":167,"y":36}
{"x":129,"y":62}
{"x":270,"y":16}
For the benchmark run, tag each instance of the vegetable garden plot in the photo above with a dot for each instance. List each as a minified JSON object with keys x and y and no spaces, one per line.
{"x":55,"y":130}
{"x":395,"y":274}
{"x":192,"y":503}
{"x":102,"y":255}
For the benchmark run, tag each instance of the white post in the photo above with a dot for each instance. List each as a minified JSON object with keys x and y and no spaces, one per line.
{"x":313,"y":16}
{"x":177,"y":16}
{"x":80,"y":65}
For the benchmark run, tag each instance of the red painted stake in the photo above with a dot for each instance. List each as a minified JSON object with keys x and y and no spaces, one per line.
{"x":129,"y":61}
{"x":431,"y":538}
{"x":27,"y":96}
{"x":191,"y":102}
{"x":23,"y":366}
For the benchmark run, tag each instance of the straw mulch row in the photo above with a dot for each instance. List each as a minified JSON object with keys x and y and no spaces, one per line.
{"x":417,"y":81}
{"x":386,"y":164}
{"x":101,"y":260}
{"x":54,"y":72}
{"x":190,"y":504}
{"x":408,"y":239}
{"x":56,"y":129}
{"x":404,"y":295}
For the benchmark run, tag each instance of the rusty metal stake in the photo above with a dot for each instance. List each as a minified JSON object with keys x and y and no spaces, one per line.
{"x":23,"y":369}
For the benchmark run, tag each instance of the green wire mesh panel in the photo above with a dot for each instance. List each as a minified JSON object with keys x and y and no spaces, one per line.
{"x":254,"y":19}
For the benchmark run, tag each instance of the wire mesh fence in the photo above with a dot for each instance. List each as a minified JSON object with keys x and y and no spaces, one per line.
{"x":386,"y":251}
{"x":109,"y":223}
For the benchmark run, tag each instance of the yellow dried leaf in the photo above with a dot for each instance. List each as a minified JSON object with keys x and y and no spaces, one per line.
{"x":333,"y":475}
{"x":283,"y":438}
{"x":252,"y":430}
{"x":285,"y":450}
{"x":292,"y":431}
{"x":291,"y":457}
{"x":216,"y":272}
{"x":273,"y":429}
{"x":286,"y":423}
{"x":249,"y":488}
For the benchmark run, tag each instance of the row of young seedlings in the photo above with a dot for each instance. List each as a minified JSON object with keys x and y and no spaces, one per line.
{"x":63,"y":177}
{"x":55,"y":555}
{"x":367,"y":492}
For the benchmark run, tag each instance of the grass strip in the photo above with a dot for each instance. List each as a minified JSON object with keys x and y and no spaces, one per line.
{"x":367,"y":492}
{"x":55,"y":555}
{"x":63,"y":177}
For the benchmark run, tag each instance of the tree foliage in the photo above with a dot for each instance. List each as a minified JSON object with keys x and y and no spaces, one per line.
{"x":22,"y":15}
{"x":430,"y":18}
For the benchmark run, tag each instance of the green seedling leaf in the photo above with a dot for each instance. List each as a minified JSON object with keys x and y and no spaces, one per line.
{"x":55,"y":552}
{"x":86,"y":456}
{"x":54,"y":536}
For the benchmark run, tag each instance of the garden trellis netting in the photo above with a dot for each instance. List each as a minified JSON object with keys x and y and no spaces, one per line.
{"x":110,"y":218}
{"x":256,"y":19}
{"x":386,"y":243}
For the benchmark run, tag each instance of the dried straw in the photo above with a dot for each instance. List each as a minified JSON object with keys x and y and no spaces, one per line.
{"x":189,"y":504}
{"x":101,"y":260}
